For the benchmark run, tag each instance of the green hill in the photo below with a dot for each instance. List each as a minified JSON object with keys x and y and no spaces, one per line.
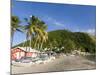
{"x":67,"y":41}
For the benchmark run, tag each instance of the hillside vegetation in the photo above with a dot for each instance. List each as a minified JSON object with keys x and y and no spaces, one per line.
{"x":64,"y":41}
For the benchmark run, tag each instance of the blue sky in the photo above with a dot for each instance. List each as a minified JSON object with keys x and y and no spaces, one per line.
{"x":57,"y":16}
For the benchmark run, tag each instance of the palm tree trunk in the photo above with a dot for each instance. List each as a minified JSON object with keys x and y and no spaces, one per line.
{"x":39,"y":41}
{"x":41,"y":45}
{"x":12,"y":37}
{"x":30,"y":44}
{"x":26,"y":45}
{"x":35,"y":43}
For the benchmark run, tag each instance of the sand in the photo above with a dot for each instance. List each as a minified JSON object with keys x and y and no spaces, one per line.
{"x":63,"y":63}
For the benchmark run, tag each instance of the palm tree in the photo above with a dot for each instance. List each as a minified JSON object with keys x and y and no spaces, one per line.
{"x":44,"y":38}
{"x":14,"y":27}
{"x":30,"y":28}
{"x":35,"y":28}
{"x":44,"y":35}
{"x":40,"y":38}
{"x":29,"y":32}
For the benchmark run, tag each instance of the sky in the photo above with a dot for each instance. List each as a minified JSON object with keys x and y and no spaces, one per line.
{"x":76,"y":18}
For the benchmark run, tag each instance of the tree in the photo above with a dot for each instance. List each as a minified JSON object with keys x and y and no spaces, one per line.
{"x":14,"y":27}
{"x":35,"y":28}
{"x":43,"y":34}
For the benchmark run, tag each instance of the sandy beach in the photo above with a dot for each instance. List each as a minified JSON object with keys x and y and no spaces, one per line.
{"x":63,"y":63}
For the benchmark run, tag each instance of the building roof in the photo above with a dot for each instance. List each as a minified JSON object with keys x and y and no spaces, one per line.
{"x":29,"y":49}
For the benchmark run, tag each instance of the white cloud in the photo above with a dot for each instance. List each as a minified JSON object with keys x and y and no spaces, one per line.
{"x":54,"y":22}
{"x":90,"y":31}
{"x":59,"y":24}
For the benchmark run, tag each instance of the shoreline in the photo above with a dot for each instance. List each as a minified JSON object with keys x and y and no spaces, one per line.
{"x":63,"y":63}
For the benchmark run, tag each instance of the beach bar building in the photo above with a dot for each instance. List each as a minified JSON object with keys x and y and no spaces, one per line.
{"x":20,"y":52}
{"x":17,"y":53}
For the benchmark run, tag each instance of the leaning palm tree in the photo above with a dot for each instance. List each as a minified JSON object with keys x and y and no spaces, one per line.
{"x":44,"y":39}
{"x":14,"y":27}
{"x":31,"y":29}
{"x":42,"y":35}
{"x":36,"y":29}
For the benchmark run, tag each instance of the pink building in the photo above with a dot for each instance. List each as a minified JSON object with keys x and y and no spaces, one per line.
{"x":18,"y":53}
